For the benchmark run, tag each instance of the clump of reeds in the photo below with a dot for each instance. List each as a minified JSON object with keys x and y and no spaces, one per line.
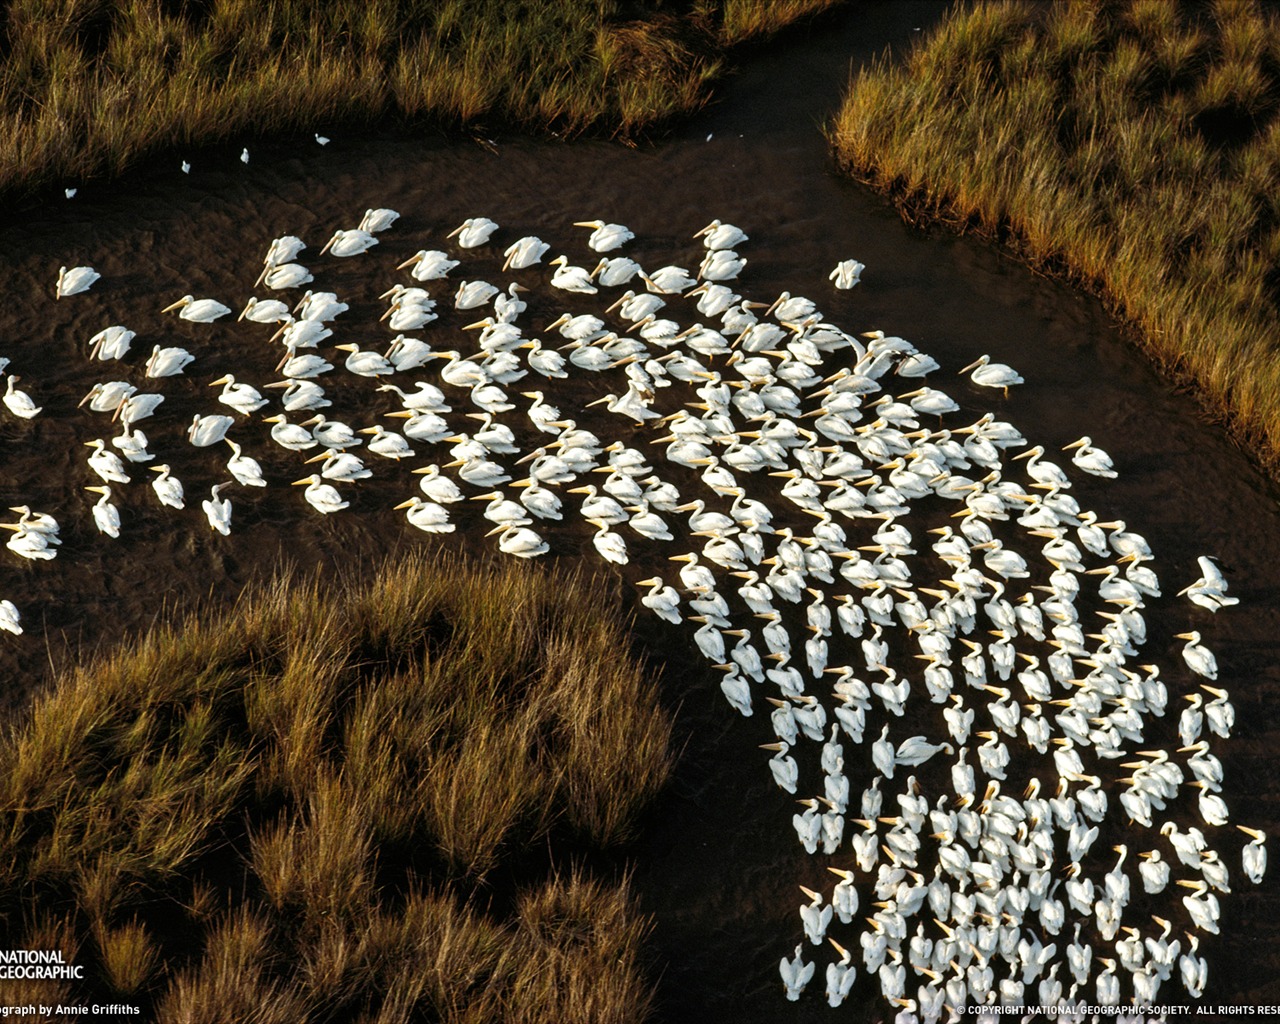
{"x":1135,"y":148}
{"x":89,"y":87}
{"x":285,"y":812}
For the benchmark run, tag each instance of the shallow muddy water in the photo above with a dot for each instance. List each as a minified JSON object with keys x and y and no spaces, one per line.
{"x":718,"y":864}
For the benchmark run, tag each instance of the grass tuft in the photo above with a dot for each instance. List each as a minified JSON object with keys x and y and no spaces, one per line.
{"x":1131,"y":147}
{"x":323,"y":805}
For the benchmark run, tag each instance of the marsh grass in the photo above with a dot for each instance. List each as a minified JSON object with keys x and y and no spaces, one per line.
{"x":89,"y":87}
{"x":344,"y":802}
{"x":1131,"y":147}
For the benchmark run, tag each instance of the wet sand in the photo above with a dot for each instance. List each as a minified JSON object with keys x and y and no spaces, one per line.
{"x":719,"y":864}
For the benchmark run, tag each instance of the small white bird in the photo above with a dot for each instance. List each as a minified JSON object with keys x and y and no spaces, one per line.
{"x":105,"y":464}
{"x":322,"y":140}
{"x":201,"y":311}
{"x":1210,"y":590}
{"x":847,"y":274}
{"x":218,"y":510}
{"x":206,"y":430}
{"x":245,"y":469}
{"x":19,"y":402}
{"x":324,"y":498}
{"x":605,"y":237}
{"x":243,"y":398}
{"x":1198,"y":657}
{"x":351,"y":242}
{"x":428,"y":265}
{"x":244,"y":155}
{"x":106,"y":517}
{"x":10,"y":620}
{"x":378,"y":219}
{"x":168,"y":488}
{"x":111,"y":342}
{"x":168,"y":362}
{"x":473,"y":231}
{"x":524,"y":252}
{"x":75,"y":280}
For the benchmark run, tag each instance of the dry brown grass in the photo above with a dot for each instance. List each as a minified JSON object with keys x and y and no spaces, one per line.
{"x":300,"y":811}
{"x":1135,"y":149}
{"x":89,"y":87}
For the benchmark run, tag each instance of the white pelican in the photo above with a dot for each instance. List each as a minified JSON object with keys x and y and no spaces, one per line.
{"x":201,"y":311}
{"x":218,"y":509}
{"x":245,"y":469}
{"x":105,"y":515}
{"x":341,"y":466}
{"x":243,"y":398}
{"x":324,"y":498}
{"x":264,"y":311}
{"x":10,"y":620}
{"x":663,"y":601}
{"x":105,"y":464}
{"x":332,"y":433}
{"x":19,"y":402}
{"x":132,"y":445}
{"x":287,"y":275}
{"x":388,"y":444}
{"x":439,"y":489}
{"x":283,"y":250}
{"x":1210,"y":590}
{"x":1198,"y":658}
{"x":847,"y":274}
{"x":136,"y":407}
{"x":30,"y":541}
{"x":721,"y":265}
{"x":519,"y":541}
{"x":168,"y":488}
{"x":605,"y":237}
{"x":473,"y":294}
{"x":75,"y":280}
{"x":168,"y":362}
{"x":427,"y":516}
{"x":796,"y":974}
{"x":570,"y":278}
{"x":206,"y":430}
{"x":351,"y":242}
{"x":611,"y":546}
{"x":1254,"y":854}
{"x":111,"y":342}
{"x":428,"y":265}
{"x":992,"y":375}
{"x":615,"y":271}
{"x":319,"y":306}
{"x":721,"y":236}
{"x":1090,"y":459}
{"x":473,"y":232}
{"x":107,"y":396}
{"x":669,"y":280}
{"x":378,"y":219}
{"x":365,"y":362}
{"x":293,"y":436}
{"x":524,"y":252}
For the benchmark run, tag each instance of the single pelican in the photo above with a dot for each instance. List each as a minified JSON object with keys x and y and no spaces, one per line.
{"x":75,"y":280}
{"x":201,"y":311}
{"x":605,"y":237}
{"x":473,"y":232}
{"x":349,"y":243}
{"x":106,"y":517}
{"x":218,"y":509}
{"x":324,"y":498}
{"x":168,"y":488}
{"x":19,"y":402}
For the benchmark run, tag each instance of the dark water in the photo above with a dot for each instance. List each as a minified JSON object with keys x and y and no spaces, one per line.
{"x":718,"y":864}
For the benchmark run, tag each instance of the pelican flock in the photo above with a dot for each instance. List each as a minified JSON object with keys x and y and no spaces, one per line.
{"x":948,"y":648}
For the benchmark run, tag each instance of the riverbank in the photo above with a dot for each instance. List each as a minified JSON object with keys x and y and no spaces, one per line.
{"x":88,"y":89}
{"x":1133,"y":152}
